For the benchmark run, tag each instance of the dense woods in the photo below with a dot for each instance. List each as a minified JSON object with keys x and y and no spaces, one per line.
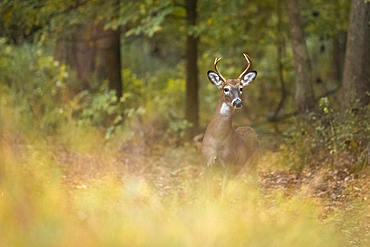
{"x":104,"y":103}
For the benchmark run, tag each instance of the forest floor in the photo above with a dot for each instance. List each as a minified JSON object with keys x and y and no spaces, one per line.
{"x":164,"y":167}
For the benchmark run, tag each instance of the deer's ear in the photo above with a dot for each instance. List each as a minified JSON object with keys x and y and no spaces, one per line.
{"x":248,"y":78}
{"x":215,"y":79}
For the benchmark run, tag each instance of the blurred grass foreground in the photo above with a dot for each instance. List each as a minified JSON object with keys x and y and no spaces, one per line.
{"x":55,"y":193}
{"x":40,"y":208}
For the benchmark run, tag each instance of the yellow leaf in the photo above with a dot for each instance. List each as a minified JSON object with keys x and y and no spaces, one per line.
{"x":63,"y":68}
{"x":156,"y":29}
{"x":7,"y":16}
{"x":142,"y":8}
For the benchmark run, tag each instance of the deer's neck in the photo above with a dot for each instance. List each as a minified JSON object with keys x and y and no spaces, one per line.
{"x":221,"y":122}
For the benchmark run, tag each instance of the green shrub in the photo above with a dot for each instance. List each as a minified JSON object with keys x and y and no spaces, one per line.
{"x":326,"y":136}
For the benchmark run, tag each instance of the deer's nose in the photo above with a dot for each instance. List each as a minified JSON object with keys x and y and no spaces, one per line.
{"x":237,"y":103}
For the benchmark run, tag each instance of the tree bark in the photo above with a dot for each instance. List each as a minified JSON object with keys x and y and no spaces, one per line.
{"x":304,"y":95}
{"x":93,"y":51}
{"x":192,"y":104}
{"x":280,"y":68}
{"x":82,"y":54}
{"x":356,"y":72}
{"x":337,"y":58}
{"x":108,"y":47}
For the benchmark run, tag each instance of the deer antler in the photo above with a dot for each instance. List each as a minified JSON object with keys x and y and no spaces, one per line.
{"x":218,"y":72}
{"x":249,"y":65}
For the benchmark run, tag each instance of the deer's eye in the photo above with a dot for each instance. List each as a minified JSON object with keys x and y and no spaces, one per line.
{"x":226,"y":90}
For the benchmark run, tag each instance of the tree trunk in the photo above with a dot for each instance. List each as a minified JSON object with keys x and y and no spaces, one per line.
{"x":93,"y":51}
{"x":108,"y":56}
{"x":356,"y":72}
{"x":192,"y":104}
{"x":280,"y":67}
{"x":82,"y":54}
{"x":338,"y":52}
{"x":304,"y":95}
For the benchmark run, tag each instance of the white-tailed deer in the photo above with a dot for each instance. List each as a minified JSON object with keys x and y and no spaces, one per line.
{"x":222,"y":144}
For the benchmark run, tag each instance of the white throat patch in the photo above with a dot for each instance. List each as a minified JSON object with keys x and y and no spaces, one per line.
{"x":225,"y":109}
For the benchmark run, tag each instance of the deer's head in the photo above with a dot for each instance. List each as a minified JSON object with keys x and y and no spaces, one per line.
{"x":232,"y":88}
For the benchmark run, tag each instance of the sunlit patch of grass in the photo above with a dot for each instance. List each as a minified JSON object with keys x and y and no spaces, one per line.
{"x":83,"y":139}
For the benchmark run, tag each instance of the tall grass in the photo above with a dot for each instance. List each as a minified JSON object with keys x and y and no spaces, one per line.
{"x":37,"y":209}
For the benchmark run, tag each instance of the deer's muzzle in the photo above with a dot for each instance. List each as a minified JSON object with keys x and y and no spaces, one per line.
{"x":237,"y":103}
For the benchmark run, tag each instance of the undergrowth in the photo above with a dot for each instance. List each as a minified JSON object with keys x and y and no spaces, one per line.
{"x":40,"y":207}
{"x":328,"y":138}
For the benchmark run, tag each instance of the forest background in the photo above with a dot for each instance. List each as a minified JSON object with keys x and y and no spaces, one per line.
{"x":103,"y":105}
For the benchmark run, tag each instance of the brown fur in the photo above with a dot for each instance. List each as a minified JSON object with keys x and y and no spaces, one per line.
{"x":223,"y":145}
